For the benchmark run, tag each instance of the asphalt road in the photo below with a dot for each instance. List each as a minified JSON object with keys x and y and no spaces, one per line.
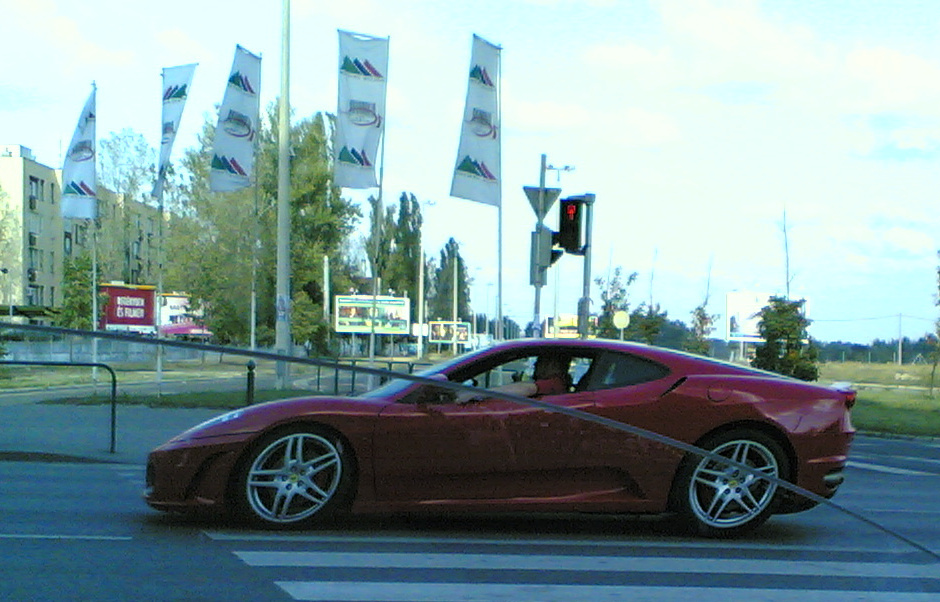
{"x":81,"y":532}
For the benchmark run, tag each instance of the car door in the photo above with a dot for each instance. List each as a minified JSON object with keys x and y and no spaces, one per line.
{"x":443,"y":451}
{"x":630,"y":389}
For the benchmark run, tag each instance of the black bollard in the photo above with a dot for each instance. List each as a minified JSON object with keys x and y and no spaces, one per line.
{"x":250,"y":391}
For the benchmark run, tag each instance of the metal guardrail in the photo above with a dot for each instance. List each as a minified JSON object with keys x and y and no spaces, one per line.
{"x":110,"y":370}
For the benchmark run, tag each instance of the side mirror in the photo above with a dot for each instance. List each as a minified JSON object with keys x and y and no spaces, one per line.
{"x":430,"y":395}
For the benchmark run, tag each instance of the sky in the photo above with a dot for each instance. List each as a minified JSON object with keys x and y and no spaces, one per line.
{"x":698,"y":125}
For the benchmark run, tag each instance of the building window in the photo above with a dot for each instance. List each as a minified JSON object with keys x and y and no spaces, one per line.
{"x":67,"y":244}
{"x":34,"y":295}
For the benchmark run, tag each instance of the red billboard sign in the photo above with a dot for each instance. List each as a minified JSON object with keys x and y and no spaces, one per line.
{"x":129,"y":307}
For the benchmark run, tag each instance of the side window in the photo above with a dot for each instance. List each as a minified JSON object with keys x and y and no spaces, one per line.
{"x":521,"y":368}
{"x":622,"y":370}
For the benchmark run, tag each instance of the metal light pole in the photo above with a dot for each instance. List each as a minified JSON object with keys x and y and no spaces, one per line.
{"x":536,"y":319}
{"x":282,"y":323}
{"x":584,"y":305}
{"x":454,"y":330}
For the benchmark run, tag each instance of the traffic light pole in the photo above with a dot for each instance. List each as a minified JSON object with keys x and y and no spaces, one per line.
{"x":584,"y":305}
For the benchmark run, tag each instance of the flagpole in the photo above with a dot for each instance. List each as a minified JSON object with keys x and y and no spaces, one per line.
{"x":375,"y":276}
{"x":499,"y":196}
{"x":94,"y":299}
{"x":158,"y":306}
{"x":158,"y":301}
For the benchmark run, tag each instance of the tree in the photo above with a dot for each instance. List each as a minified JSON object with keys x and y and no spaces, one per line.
{"x":127,"y":163}
{"x":322,"y":222}
{"x":440,"y":303}
{"x":614,"y":298}
{"x":703,"y":323}
{"x":76,"y":307}
{"x":402,"y":269}
{"x":646,"y":323}
{"x":127,"y":168}
{"x":786,"y":349}
{"x":216,"y":237}
{"x":380,"y":244}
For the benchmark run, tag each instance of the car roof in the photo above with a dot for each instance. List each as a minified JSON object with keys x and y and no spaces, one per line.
{"x":678,"y":361}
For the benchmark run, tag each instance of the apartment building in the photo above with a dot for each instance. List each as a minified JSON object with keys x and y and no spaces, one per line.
{"x":35,"y":239}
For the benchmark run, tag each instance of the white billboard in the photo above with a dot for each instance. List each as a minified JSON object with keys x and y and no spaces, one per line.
{"x":363,"y":313}
{"x":743,"y":315}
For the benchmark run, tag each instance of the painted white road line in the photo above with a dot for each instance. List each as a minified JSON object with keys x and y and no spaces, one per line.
{"x":249,"y":536}
{"x":9,"y":536}
{"x":345,"y":591}
{"x":889,"y":469}
{"x":627,"y":564}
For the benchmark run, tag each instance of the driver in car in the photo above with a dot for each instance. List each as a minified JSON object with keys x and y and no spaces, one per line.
{"x":550,"y":377}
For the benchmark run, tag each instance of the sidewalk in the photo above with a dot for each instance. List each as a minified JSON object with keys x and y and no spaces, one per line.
{"x":59,"y":432}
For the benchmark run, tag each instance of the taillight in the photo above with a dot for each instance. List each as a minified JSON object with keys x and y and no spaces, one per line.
{"x":850,"y":397}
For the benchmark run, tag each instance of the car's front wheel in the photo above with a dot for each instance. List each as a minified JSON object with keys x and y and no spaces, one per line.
{"x":715,"y":498}
{"x":293,"y":478}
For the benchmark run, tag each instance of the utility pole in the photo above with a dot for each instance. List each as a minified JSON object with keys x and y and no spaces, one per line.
{"x":282,"y":323}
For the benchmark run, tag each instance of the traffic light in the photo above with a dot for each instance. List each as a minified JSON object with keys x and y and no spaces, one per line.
{"x":542,"y":256}
{"x":569,"y":224}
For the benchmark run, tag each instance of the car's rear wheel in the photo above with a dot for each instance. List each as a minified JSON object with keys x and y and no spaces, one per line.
{"x":715,"y":498}
{"x":294,"y":478}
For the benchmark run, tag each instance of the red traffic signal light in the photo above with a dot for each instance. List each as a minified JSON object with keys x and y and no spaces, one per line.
{"x":569,"y":224}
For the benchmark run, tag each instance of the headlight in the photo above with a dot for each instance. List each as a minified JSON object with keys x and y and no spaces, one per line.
{"x":208,"y":424}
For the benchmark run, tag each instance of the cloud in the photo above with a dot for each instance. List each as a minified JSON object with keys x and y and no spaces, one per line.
{"x":888,"y":79}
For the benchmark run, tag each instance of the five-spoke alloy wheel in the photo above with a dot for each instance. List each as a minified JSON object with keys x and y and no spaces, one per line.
{"x":716,"y":497}
{"x":293,"y":478}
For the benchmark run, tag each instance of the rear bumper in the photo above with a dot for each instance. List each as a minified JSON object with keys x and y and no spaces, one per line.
{"x":820,"y":468}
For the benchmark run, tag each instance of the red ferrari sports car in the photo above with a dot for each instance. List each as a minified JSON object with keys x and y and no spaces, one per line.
{"x":456,"y":442}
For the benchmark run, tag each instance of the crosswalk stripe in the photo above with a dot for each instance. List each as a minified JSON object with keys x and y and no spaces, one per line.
{"x":347,"y":591}
{"x":585,"y":563}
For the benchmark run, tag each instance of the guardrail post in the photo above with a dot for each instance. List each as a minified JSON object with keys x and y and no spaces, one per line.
{"x":250,"y":390}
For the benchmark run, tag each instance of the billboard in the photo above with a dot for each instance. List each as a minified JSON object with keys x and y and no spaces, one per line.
{"x":449,"y":331}
{"x":354,"y":314}
{"x":130,"y":308}
{"x":743,"y":315}
{"x":176,"y":319}
{"x":562,"y":326}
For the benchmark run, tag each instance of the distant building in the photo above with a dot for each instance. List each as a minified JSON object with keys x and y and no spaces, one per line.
{"x":35,"y":239}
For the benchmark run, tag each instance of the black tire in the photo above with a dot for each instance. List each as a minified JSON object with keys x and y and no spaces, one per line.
{"x":716,"y":499}
{"x":294,"y":478}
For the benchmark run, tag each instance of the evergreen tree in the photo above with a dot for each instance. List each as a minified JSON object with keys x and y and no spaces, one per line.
{"x":402,"y":270}
{"x":786,"y":349}
{"x":76,"y":308}
{"x":440,"y":304}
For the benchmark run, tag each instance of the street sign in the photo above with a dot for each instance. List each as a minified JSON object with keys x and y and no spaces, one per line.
{"x":541,"y":203}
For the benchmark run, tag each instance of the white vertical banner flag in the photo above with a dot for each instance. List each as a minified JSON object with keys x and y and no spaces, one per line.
{"x":476,"y":175}
{"x":233,"y":153}
{"x":176,"y":84}
{"x":79,"y":182}
{"x":360,"y":112}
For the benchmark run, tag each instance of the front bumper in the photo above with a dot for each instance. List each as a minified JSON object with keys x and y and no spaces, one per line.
{"x":194,"y":475}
